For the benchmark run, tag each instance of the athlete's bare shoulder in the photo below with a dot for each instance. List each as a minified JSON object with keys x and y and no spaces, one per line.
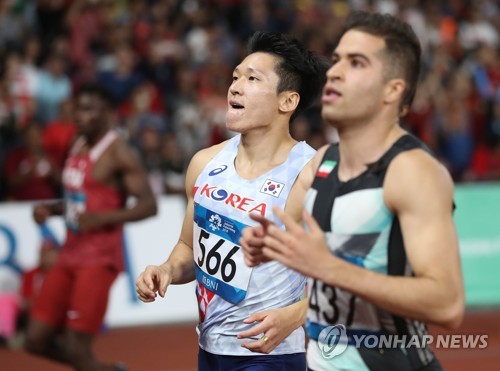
{"x":303,"y":183}
{"x":203,"y":157}
{"x":414,"y":174}
{"x":114,"y":161}
{"x":123,"y":154}
{"x":306,"y":176}
{"x":199,"y":161}
{"x":318,"y":157}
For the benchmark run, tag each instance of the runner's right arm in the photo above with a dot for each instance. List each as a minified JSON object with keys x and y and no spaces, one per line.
{"x":179,"y":268}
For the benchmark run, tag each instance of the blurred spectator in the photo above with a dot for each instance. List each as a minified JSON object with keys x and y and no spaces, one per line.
{"x":54,"y":87}
{"x":430,"y":35}
{"x":476,"y":30}
{"x":145,"y":101}
{"x":300,"y":129}
{"x":85,"y":28}
{"x":115,"y":35}
{"x":61,"y":46}
{"x":307,"y":127}
{"x":189,"y":125}
{"x":150,"y":134}
{"x":173,"y":59}
{"x":419,"y":119}
{"x":86,"y":73}
{"x":263,"y":15}
{"x":163,"y":51}
{"x":50,"y":23}
{"x":31,"y":174}
{"x":486,"y":160}
{"x":485,"y":163}
{"x":123,"y":78}
{"x":173,"y":166}
{"x":32,"y":50}
{"x":485,"y":70}
{"x":213,"y":110}
{"x":22,"y":79}
{"x":162,"y":156}
{"x":58,"y":135}
{"x":8,"y":129}
{"x":214,"y":80}
{"x":11,"y":26}
{"x":453,"y":124}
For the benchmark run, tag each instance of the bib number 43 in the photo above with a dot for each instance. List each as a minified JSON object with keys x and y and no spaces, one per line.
{"x":327,"y":303}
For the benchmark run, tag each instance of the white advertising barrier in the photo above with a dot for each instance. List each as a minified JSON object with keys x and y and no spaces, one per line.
{"x":146,"y":242}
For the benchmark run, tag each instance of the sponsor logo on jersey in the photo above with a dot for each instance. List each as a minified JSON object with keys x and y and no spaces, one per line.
{"x":326,"y":168}
{"x":271,"y":187}
{"x":231,"y":199}
{"x":217,"y":170}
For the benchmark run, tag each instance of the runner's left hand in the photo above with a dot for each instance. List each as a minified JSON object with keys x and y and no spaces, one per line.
{"x":275,"y":324}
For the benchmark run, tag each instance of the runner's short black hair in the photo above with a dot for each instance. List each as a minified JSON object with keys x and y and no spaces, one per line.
{"x":298,"y":69}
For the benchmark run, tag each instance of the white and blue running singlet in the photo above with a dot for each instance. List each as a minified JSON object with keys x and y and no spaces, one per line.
{"x":360,"y":229}
{"x":228,"y":290}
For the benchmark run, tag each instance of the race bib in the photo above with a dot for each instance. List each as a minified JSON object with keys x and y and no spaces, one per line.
{"x":217,"y":255}
{"x":75,"y":205}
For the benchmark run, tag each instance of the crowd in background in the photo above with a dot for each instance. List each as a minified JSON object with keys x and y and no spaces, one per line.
{"x":169,"y":64}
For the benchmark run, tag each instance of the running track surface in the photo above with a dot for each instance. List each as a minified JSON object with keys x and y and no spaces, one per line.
{"x":174,"y":347}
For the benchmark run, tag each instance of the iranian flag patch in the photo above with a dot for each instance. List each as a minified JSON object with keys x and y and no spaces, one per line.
{"x":326,"y":168}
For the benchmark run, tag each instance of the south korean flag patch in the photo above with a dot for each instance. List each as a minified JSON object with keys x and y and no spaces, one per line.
{"x":272,"y":188}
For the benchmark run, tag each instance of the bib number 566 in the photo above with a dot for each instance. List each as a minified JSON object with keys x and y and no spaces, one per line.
{"x":213,"y":261}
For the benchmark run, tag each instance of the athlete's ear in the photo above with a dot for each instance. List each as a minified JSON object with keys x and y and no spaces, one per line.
{"x":394,"y":90}
{"x":288,"y":101}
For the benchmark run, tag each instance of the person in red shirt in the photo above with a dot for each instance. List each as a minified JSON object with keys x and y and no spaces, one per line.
{"x":30,"y":172}
{"x":59,"y":134}
{"x":100,"y":173}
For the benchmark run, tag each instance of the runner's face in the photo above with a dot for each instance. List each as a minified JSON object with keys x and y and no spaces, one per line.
{"x":90,"y":114}
{"x":252,"y":97}
{"x":355,"y":82}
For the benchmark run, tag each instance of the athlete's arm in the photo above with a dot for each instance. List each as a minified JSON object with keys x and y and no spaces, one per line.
{"x":133,"y":180}
{"x":179,"y":268}
{"x":136,"y":184}
{"x":420,"y":192}
{"x":295,"y":202}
